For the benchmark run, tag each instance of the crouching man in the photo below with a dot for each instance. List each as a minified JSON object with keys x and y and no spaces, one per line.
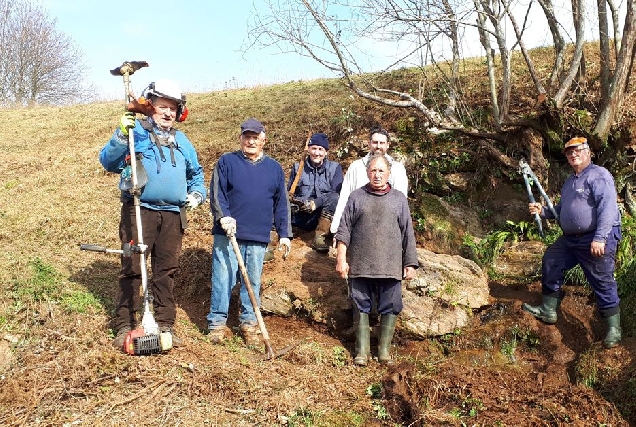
{"x":317,"y":189}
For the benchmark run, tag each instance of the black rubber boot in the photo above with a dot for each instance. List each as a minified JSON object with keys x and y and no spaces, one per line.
{"x":614,"y":332}
{"x":547,"y":311}
{"x":363,"y":345}
{"x":387,"y":328}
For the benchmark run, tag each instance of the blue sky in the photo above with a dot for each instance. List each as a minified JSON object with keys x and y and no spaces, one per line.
{"x":199,"y":44}
{"x":196,"y":43}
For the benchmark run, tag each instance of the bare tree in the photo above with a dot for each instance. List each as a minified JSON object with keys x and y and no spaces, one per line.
{"x":40,"y":65}
{"x":308,"y":26}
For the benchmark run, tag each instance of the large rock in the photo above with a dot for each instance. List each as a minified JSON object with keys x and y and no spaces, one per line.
{"x":440,"y":300}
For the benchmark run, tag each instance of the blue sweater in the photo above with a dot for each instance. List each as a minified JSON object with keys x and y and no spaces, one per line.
{"x":588,"y":203}
{"x":168,"y":185}
{"x":253,"y":193}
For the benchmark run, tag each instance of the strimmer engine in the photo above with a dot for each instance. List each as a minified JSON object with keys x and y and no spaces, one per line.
{"x":138,"y":343}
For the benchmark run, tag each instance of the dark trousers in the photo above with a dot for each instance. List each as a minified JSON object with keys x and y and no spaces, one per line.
{"x":162,"y":234}
{"x":568,"y":251}
{"x":387,"y":291}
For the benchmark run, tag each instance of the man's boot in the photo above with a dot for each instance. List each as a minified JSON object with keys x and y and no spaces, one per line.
{"x":612,"y":319}
{"x":387,"y":328}
{"x":547,"y":311}
{"x":322,"y":230}
{"x":363,"y":344}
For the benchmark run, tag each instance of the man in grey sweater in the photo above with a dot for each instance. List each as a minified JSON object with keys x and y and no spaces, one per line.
{"x":376,"y":250}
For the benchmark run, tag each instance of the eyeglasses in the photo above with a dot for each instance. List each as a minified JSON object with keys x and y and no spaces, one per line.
{"x":574,"y":151}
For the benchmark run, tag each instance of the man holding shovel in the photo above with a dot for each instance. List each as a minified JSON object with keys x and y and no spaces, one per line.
{"x":172,"y":179}
{"x":376,"y":251}
{"x":247,"y":190}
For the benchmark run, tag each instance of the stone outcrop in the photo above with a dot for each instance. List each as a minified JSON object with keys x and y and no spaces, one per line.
{"x":440,"y":300}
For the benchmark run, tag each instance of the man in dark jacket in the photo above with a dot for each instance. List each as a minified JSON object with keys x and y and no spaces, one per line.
{"x":317,"y":190}
{"x":376,"y":250}
{"x":591,"y":224}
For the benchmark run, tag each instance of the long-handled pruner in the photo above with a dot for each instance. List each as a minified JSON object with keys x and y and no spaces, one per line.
{"x":528,"y":175}
{"x":269,"y":352}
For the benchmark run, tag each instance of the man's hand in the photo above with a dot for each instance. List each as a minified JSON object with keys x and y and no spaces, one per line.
{"x":228,"y":224}
{"x":535,"y":208}
{"x":597,"y":249}
{"x":126,"y":122}
{"x":307,"y":207}
{"x":284,"y":243}
{"x":193,"y":200}
{"x":342,"y":267}
{"x":408,"y":273}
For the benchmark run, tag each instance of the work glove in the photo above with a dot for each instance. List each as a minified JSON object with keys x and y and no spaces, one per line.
{"x":126,"y":122}
{"x":286,"y":244}
{"x":193,"y":200}
{"x":307,"y":207}
{"x":228,"y":224}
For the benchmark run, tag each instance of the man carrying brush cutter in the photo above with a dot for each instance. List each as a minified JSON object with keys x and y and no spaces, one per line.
{"x":172,"y":179}
{"x":247,"y":190}
{"x":376,"y":251}
{"x":590,"y":220}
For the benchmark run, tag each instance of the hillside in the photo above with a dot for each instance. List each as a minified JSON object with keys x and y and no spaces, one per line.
{"x":58,"y":367}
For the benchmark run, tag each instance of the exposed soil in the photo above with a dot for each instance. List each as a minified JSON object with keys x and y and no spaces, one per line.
{"x":505,"y":369}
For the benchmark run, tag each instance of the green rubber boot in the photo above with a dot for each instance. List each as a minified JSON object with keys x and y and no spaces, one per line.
{"x":614,"y":333}
{"x":363,"y":346}
{"x":387,"y":328}
{"x":547,"y":311}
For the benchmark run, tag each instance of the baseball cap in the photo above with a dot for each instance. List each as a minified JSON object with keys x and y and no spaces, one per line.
{"x":575,"y":142}
{"x":252,"y":125}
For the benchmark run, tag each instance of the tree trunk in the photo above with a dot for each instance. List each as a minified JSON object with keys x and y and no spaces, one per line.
{"x":604,"y":49}
{"x":578,"y":12}
{"x":616,"y":96}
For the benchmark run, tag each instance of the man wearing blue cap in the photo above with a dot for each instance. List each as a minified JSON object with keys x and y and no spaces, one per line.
{"x":316,"y":194}
{"x":591,"y":224}
{"x":247,"y":190}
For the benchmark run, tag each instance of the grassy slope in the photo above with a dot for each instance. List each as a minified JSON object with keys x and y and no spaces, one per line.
{"x":55,"y":300}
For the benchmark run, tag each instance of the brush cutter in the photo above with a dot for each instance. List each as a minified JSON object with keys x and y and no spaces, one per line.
{"x":147,"y":339}
{"x":269,"y":352}
{"x":528,"y":175}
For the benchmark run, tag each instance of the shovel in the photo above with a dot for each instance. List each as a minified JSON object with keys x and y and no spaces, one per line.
{"x":269,"y":352}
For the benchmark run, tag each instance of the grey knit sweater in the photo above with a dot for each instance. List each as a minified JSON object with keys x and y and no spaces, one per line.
{"x":378,"y":232}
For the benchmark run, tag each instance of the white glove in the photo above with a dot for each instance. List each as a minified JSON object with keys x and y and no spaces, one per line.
{"x":228,"y":224}
{"x":284,"y":243}
{"x":193,"y":200}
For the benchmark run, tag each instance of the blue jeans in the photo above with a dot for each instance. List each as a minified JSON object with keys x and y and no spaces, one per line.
{"x":225,"y":271}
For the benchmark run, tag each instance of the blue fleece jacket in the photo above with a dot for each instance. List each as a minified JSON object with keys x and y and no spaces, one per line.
{"x":168,"y":185}
{"x":251,"y":192}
